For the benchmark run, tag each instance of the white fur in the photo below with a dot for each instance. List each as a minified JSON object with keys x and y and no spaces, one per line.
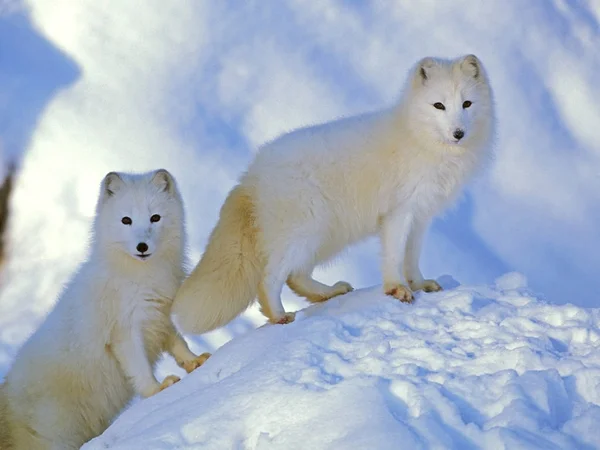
{"x":316,"y":190}
{"x":97,"y":347}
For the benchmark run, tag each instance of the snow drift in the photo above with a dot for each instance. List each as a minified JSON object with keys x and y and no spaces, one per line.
{"x":470,"y":367}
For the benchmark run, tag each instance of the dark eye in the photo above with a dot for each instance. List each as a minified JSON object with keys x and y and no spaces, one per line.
{"x":439,"y":105}
{"x":467,"y":104}
{"x":126,"y":220}
{"x":155,"y":218}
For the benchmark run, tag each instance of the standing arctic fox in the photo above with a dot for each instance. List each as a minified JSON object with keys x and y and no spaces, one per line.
{"x":312,"y":192}
{"x":98,"y":346}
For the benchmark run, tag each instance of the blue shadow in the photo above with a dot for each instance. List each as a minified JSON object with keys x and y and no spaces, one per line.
{"x":32,"y":72}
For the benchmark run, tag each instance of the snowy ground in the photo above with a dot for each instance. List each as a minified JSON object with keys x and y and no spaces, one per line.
{"x":471,"y":367}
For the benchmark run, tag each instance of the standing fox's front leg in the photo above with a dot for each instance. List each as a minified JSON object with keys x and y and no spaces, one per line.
{"x":184,"y":357}
{"x":412,"y":272}
{"x":131,"y":355}
{"x":393,"y":232}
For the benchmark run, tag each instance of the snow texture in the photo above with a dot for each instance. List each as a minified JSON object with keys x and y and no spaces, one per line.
{"x":470,"y":367}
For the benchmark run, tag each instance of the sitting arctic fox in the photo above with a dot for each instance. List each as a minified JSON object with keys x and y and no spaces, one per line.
{"x":98,"y":346}
{"x":312,"y":192}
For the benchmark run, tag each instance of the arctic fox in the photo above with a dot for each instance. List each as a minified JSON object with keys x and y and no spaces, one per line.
{"x":312,"y":192}
{"x":98,"y":346}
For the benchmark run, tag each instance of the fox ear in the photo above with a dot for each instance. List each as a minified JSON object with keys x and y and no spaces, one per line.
{"x":164,"y":180}
{"x":423,"y":71}
{"x":471,"y":66}
{"x":111,"y":184}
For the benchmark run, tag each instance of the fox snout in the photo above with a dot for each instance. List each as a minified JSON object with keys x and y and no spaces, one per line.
{"x":143,"y":250}
{"x":458,"y":134}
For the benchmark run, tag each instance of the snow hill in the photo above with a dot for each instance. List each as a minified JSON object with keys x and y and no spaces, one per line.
{"x":472,"y":367}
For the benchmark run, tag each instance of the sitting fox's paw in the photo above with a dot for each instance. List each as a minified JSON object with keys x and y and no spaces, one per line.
{"x":190,"y":366}
{"x":399,"y":291}
{"x":426,"y":286}
{"x":168,"y":381}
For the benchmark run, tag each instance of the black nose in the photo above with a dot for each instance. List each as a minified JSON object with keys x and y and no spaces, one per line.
{"x":142,"y":247}
{"x":458,"y":134}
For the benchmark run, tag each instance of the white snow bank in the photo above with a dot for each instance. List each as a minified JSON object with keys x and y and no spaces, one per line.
{"x":471,"y":367}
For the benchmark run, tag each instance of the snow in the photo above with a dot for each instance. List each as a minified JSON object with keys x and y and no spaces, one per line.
{"x":195,"y":87}
{"x":470,"y":367}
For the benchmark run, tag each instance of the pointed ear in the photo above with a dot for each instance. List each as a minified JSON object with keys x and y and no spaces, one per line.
{"x":164,"y":180}
{"x":471,"y":66}
{"x":423,"y":71}
{"x":111,"y":184}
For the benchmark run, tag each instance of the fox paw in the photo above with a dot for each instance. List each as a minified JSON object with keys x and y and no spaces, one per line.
{"x":341,"y":288}
{"x":426,"y":286}
{"x":168,"y":381}
{"x":399,"y":291}
{"x":190,"y":366}
{"x":282,"y":320}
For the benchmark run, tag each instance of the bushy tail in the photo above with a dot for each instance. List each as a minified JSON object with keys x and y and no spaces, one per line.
{"x":225,"y":281}
{"x":4,"y":430}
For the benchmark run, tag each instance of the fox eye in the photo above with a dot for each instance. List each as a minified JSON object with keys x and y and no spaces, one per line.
{"x":126,"y":220}
{"x":154,"y":218}
{"x":439,"y":105}
{"x":467,"y":104}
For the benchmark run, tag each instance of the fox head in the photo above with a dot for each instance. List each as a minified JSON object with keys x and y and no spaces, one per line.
{"x":450,"y":101}
{"x":139,"y":215}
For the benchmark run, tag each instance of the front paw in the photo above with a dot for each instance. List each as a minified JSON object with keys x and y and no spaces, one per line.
{"x":399,"y":291}
{"x":155,"y":389}
{"x":168,"y":381}
{"x":190,"y":366}
{"x":426,"y":286}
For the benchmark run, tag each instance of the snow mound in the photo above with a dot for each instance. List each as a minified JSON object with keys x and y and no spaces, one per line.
{"x":470,"y":367}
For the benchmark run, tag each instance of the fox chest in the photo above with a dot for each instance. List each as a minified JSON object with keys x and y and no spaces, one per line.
{"x":430,"y":190}
{"x":150,"y":318}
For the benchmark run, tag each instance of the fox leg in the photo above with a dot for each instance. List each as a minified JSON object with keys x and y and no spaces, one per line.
{"x":271,"y":306}
{"x":185,"y":358}
{"x":412,"y":272}
{"x":131,"y":354}
{"x":169,"y":380}
{"x":269,"y":292}
{"x":303,"y":284}
{"x":394,"y":230}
